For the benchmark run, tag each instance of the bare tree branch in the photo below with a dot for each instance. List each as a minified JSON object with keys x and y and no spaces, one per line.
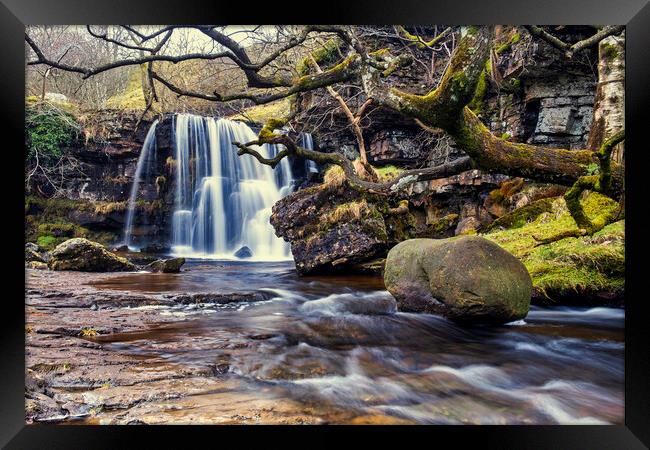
{"x":393,"y":187}
{"x":571,"y":49}
{"x":89,"y":72}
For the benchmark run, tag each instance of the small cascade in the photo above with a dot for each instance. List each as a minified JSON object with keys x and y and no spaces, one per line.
{"x":306,"y":141}
{"x":223,"y":201}
{"x":146,"y":162}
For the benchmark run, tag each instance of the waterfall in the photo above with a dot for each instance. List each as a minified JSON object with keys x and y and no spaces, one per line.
{"x":146,"y":161}
{"x":223,"y":201}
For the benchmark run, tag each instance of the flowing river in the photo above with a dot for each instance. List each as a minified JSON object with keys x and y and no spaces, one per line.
{"x":337,"y":343}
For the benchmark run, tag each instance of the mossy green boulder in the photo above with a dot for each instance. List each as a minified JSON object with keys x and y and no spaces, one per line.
{"x":465,"y":278}
{"x":86,"y":256}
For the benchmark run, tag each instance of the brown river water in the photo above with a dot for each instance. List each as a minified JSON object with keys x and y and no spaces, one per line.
{"x":337,"y":341}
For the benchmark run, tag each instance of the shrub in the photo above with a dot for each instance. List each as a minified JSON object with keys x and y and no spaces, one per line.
{"x":48,"y":129}
{"x":48,"y":242}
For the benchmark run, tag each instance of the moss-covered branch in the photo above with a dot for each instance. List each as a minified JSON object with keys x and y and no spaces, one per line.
{"x":418,"y":40}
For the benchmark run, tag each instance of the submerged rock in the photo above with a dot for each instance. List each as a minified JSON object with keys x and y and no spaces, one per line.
{"x":221,"y":298}
{"x":86,"y":256}
{"x":369,"y":304}
{"x":244,"y":252}
{"x":465,"y":278}
{"x":171,"y":265}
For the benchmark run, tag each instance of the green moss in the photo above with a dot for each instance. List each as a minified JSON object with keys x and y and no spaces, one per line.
{"x":47,"y":242}
{"x":360,"y":212}
{"x":516,"y":37}
{"x":325,"y":55}
{"x":521,"y":216}
{"x":149,"y":206}
{"x":272,"y":124}
{"x":334,"y":177}
{"x":110,"y":207}
{"x":388,"y":173}
{"x":48,"y":130}
{"x":354,"y":210}
{"x":47,"y":220}
{"x":310,"y":82}
{"x":48,"y":207}
{"x":262,"y":113}
{"x":58,"y":229}
{"x":443,"y":224}
{"x":512,"y":86}
{"x":477,"y":104}
{"x":584,"y":265}
{"x":609,"y":51}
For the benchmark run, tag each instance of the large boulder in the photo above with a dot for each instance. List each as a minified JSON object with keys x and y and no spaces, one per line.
{"x":171,"y":265}
{"x":86,"y":256}
{"x":329,"y":229}
{"x":465,"y":278}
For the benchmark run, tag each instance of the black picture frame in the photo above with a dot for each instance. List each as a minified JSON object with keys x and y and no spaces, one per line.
{"x":16,"y":14}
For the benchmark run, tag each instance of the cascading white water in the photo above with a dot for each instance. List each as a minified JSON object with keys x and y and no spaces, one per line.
{"x":223,"y":200}
{"x":307,"y":142}
{"x":146,"y":161}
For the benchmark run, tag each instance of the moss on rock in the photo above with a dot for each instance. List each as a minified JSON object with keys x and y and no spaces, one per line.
{"x":466,"y":278}
{"x":87,"y":256}
{"x":587,"y":269}
{"x":49,"y":129}
{"x":47,"y":220}
{"x":521,"y":216}
{"x":388,"y":173}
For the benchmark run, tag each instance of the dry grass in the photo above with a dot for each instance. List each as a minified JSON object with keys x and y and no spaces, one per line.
{"x":334,"y":177}
{"x":348,"y":211}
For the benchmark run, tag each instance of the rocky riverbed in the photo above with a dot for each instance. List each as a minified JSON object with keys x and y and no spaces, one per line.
{"x":221,"y":343}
